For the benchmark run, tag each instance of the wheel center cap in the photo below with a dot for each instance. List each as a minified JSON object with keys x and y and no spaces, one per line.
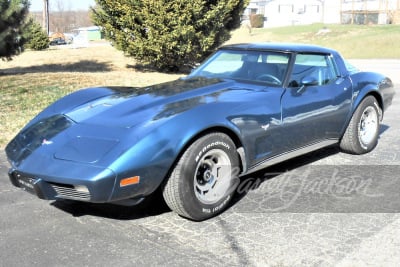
{"x":207,"y":175}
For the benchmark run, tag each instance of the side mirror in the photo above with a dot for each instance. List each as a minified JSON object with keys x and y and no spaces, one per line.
{"x":309,"y":81}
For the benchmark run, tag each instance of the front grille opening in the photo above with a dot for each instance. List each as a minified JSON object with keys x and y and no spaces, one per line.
{"x":75,"y":192}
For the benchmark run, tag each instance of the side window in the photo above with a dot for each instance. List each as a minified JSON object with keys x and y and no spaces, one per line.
{"x":264,"y":66}
{"x":319,"y":67}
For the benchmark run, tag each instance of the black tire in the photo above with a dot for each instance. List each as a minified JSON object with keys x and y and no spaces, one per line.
{"x":204,"y":180}
{"x":361,"y":135}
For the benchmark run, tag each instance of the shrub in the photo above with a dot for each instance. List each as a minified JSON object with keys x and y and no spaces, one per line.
{"x":12,"y":17}
{"x":257,"y":20}
{"x":168,"y":35}
{"x":35,"y":36}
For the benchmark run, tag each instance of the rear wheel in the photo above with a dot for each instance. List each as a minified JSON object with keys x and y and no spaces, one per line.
{"x":361,"y":135}
{"x":204,"y":179}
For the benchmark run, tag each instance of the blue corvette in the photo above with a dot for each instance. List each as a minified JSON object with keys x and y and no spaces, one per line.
{"x":247,"y":107}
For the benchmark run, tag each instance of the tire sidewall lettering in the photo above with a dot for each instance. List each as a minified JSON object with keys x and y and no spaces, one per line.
{"x":218,"y":208}
{"x":216,"y":144}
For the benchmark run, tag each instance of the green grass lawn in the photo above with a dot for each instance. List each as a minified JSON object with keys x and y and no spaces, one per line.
{"x":33,"y":80}
{"x":22,"y":96}
{"x":352,"y":41}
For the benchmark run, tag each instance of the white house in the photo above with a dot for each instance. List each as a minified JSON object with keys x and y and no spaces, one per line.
{"x":294,"y":12}
{"x":298,"y":12}
{"x":370,"y":11}
{"x":82,"y":36}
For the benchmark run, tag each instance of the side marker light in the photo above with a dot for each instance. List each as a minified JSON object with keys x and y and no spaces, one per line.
{"x":129,"y":181}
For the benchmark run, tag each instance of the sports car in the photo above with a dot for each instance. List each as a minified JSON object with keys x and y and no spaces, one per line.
{"x":248,"y":106}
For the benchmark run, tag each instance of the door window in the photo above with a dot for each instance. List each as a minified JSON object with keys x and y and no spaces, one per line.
{"x":319,"y":67}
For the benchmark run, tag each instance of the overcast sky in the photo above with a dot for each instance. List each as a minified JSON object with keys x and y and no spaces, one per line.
{"x":37,"y":5}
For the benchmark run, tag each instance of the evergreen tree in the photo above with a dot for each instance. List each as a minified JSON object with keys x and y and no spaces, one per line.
{"x":168,"y":34}
{"x":12,"y":17}
{"x":36,"y":38}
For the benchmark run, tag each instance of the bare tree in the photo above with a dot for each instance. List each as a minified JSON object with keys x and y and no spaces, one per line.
{"x":58,"y":16}
{"x":65,"y":20}
{"x":46,"y":24}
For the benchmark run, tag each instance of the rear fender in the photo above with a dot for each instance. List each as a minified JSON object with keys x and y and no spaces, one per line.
{"x":366,"y":92}
{"x":369,"y":83}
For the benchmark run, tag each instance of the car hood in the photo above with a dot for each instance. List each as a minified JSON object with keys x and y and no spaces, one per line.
{"x":127,"y":107}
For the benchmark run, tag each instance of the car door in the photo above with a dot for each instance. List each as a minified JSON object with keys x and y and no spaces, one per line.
{"x":316,"y":102}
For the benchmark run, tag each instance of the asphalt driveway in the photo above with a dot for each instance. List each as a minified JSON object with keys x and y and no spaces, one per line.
{"x":326,"y":208}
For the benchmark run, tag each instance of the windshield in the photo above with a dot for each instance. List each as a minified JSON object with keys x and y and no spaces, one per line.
{"x":258,"y":66}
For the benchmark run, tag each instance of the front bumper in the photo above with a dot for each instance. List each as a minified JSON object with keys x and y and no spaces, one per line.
{"x":97,"y":190}
{"x":56,"y":158}
{"x":49,"y":191}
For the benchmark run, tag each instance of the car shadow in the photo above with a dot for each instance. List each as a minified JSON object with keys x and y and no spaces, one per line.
{"x":383,"y":129}
{"x":152,"y":206}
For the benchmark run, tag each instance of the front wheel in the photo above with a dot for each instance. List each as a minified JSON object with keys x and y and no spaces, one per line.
{"x":204,"y":179}
{"x":361,"y":135}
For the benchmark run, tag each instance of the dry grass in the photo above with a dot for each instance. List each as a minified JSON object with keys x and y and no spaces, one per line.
{"x":93,"y":66}
{"x":33,"y":80}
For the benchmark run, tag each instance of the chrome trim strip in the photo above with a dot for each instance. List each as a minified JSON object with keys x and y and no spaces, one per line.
{"x":291,"y":154}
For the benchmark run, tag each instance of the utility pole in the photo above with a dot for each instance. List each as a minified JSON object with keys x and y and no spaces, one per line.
{"x":46,"y":24}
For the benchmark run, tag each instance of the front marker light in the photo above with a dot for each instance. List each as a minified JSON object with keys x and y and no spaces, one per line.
{"x":129,"y":181}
